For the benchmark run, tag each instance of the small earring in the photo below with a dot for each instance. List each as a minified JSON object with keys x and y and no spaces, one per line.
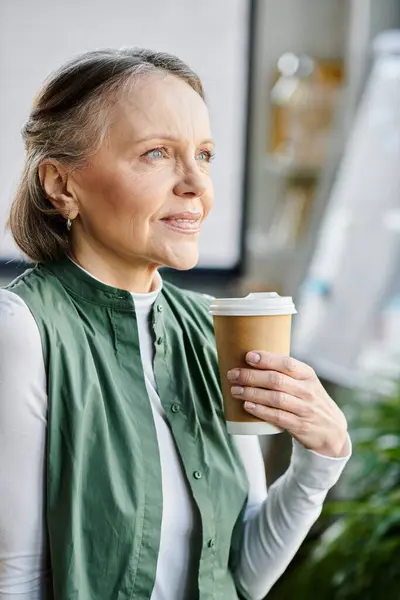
{"x":69,"y":224}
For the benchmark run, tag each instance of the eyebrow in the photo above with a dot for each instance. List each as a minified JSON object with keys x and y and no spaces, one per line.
{"x":155,"y":136}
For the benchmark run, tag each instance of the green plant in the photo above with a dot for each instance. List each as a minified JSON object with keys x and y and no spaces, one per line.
{"x":358,"y":555}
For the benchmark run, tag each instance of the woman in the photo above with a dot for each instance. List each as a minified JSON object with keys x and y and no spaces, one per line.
{"x":110,"y":397}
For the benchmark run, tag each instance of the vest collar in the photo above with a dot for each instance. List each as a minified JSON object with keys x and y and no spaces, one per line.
{"x":82,"y":284}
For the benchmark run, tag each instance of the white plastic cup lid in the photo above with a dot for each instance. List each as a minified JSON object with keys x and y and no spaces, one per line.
{"x":256,"y":304}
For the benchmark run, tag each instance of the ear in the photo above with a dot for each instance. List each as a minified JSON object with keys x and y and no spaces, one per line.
{"x":54,"y":180}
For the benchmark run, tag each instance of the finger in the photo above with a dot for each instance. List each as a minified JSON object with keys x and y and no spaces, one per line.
{"x":281,"y":363}
{"x":273,"y":399}
{"x":280,"y":418}
{"x":270,"y":380}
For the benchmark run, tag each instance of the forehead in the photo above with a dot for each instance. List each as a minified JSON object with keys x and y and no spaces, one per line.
{"x":161,"y":105}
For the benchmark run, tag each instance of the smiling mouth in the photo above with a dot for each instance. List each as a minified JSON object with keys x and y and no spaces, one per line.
{"x":188,"y":226}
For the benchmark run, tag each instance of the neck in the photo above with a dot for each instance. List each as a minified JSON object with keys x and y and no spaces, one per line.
{"x":117,"y":272}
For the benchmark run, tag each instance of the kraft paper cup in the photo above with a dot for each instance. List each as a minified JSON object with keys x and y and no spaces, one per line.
{"x":259,"y":321}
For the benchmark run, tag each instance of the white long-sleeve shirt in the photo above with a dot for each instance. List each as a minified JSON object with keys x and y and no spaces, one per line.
{"x":276,"y":524}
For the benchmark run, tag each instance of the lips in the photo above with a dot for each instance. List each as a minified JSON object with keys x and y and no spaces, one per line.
{"x":185,"y":222}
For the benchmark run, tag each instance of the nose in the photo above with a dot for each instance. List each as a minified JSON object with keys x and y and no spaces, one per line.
{"x":191,"y":184}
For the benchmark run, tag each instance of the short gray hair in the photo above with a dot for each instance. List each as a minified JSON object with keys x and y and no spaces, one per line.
{"x":68,"y":123}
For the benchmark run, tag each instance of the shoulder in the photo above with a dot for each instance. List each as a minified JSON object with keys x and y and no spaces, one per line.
{"x":13,"y":308}
{"x":184,"y":293}
{"x":41,"y":291}
{"x":31,"y":282}
{"x":19,"y":332}
{"x":189,"y":300}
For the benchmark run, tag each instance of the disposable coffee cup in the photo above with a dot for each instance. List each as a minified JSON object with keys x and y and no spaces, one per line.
{"x":259,"y":321}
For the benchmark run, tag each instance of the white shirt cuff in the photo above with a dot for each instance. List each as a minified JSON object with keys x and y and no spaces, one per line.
{"x":314,"y":470}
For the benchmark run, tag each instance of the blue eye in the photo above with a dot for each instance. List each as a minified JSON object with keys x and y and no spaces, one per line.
{"x":155,"y":154}
{"x":205,"y":155}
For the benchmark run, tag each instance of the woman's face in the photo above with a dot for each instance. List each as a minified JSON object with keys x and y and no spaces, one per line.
{"x":144,"y":195}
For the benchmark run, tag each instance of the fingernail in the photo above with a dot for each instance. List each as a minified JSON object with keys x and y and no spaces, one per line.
{"x":250,"y":405}
{"x":253,"y":357}
{"x":237,"y":390}
{"x":233,"y":374}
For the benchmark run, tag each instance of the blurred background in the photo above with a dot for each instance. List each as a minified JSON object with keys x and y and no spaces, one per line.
{"x":305,"y":105}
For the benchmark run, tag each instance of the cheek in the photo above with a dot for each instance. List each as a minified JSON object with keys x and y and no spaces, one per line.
{"x":121,"y":192}
{"x":208,"y":200}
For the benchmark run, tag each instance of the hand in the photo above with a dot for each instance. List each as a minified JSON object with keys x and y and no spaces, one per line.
{"x":287,"y":393}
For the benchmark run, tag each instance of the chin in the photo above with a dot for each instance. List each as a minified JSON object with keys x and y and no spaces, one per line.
{"x":182,"y":262}
{"x":185,"y":267}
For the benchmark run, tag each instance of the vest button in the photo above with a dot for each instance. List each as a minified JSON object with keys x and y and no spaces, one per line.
{"x":211,"y":543}
{"x":197,"y":475}
{"x":159,"y":308}
{"x":160,"y":340}
{"x":175,"y":408}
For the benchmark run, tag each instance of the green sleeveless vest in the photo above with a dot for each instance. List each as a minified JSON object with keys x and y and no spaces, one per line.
{"x":104,"y":494}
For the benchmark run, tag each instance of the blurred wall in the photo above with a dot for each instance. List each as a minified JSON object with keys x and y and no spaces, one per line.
{"x":315,"y":27}
{"x":326,"y":29}
{"x":367,"y":19}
